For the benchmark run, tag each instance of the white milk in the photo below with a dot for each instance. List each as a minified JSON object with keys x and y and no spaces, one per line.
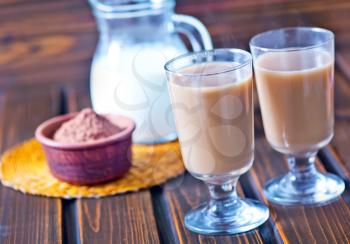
{"x":131,"y":81}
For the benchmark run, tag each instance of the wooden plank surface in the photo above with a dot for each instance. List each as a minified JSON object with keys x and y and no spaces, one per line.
{"x":43,"y":38}
{"x":25,"y":218}
{"x":233,"y":23}
{"x":127,"y":218}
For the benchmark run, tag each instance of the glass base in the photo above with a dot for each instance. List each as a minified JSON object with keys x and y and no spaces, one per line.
{"x":321,"y":188}
{"x":243,"y":215}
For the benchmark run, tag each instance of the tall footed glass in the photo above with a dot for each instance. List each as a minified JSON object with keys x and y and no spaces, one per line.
{"x":211,"y":96}
{"x":294,"y":71}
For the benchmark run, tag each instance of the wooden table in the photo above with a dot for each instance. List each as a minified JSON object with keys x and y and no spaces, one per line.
{"x":45,"y":52}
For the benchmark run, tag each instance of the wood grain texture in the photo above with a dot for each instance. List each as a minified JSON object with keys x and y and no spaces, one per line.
{"x":24,"y":218}
{"x":125,"y":218}
{"x":43,"y":38}
{"x":233,"y":23}
{"x":343,"y":61}
{"x":77,"y":96}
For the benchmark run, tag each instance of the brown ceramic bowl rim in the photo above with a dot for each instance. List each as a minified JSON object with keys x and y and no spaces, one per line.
{"x":125,"y":133}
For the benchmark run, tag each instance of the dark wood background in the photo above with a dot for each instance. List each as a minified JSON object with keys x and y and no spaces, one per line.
{"x":45,"y":53}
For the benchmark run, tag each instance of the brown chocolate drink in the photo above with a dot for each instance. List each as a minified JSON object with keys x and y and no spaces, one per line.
{"x":295,"y":91}
{"x":214,"y":118}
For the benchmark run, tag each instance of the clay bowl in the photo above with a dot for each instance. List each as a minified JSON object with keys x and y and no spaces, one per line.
{"x":91,"y":162}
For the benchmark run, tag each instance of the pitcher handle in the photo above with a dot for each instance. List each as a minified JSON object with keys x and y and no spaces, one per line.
{"x":195,"y":31}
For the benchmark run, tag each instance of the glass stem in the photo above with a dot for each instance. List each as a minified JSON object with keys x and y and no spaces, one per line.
{"x":223,"y":198}
{"x":303,"y":172}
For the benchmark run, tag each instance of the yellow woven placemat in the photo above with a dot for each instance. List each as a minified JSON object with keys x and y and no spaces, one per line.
{"x":24,"y":168}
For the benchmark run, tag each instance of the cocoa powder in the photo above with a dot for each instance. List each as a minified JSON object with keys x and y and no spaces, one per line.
{"x":86,"y":126}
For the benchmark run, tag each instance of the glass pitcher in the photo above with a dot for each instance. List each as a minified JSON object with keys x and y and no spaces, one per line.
{"x":127,"y":76}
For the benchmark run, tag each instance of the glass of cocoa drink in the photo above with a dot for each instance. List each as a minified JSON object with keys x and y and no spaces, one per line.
{"x":211,"y":97}
{"x":294,"y":72}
